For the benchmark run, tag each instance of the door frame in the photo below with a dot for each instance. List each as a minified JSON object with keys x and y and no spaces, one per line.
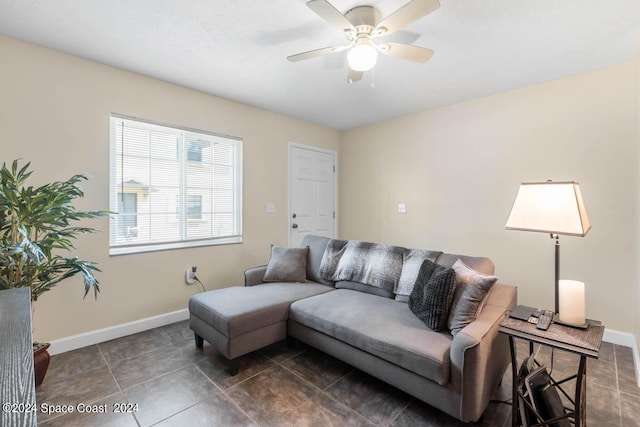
{"x":334,"y":154}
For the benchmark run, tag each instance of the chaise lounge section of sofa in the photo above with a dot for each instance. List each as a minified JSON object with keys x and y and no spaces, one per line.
{"x":368,"y":326}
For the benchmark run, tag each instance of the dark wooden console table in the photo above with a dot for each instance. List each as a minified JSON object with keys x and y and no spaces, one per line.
{"x":17,"y":386}
{"x":584,"y":342}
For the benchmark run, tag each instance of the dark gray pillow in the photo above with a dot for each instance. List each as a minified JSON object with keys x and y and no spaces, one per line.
{"x":471,"y":289}
{"x":287,"y":265}
{"x":432,"y":294}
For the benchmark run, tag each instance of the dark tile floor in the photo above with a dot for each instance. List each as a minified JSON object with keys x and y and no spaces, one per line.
{"x":158,"y":377}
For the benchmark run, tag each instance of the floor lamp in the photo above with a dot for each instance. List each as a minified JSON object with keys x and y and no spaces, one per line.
{"x":550,"y":207}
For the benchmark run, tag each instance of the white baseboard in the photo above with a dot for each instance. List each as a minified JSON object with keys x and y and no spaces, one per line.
{"x":628,"y":340}
{"x":620,"y":338}
{"x":101,"y":335}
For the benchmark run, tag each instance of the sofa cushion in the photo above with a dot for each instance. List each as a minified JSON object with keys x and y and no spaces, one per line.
{"x":432,"y":295}
{"x":361,"y":287}
{"x":411,"y":263}
{"x":237,"y":310}
{"x":471,"y":289}
{"x":369,"y":263}
{"x":287,"y":265}
{"x":380,"y":326}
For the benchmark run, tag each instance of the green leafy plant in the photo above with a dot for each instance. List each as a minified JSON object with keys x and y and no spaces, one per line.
{"x":36,"y":224}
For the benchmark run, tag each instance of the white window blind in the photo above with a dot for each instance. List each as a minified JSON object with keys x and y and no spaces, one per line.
{"x":172,"y":187}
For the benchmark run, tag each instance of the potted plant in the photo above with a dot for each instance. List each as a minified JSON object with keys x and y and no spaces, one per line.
{"x":37,"y":224}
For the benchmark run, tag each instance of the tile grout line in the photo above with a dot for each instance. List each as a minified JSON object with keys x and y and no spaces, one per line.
{"x":90,"y":401}
{"x":230,"y":399}
{"x":615,"y":366}
{"x":137,"y":354}
{"x":341,"y":378}
{"x":401,"y":412}
{"x":329,"y":396}
{"x":121,"y":391}
{"x":193,"y":365}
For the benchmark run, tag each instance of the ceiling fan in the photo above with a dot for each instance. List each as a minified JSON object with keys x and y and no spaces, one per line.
{"x":361,"y":25}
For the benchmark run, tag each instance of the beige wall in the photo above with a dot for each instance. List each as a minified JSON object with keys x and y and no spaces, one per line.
{"x":458,"y":169}
{"x":54,"y":112}
{"x":637,"y":310}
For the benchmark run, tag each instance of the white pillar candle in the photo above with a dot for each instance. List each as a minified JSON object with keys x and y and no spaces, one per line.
{"x":572,"y":306}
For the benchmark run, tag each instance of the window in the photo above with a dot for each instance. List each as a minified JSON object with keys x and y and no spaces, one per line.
{"x":172,"y":187}
{"x":194,"y":207}
{"x":194,"y":151}
{"x":126,"y":222}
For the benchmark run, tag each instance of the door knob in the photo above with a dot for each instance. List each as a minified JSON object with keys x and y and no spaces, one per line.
{"x":294,"y":225}
{"x":294,"y":215}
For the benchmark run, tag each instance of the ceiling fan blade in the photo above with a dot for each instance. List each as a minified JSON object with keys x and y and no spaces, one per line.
{"x":317,"y":52}
{"x":406,"y":51}
{"x":402,"y":17}
{"x":330,"y":14}
{"x":354,"y":75}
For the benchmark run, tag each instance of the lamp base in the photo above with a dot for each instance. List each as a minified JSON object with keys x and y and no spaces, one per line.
{"x":556,"y":319}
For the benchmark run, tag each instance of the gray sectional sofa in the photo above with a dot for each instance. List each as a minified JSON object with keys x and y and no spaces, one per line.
{"x":373,"y":325}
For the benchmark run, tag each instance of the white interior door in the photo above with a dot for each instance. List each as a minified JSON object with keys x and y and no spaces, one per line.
{"x":312,"y":193}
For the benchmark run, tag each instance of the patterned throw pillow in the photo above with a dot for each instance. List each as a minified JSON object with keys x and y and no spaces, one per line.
{"x":411,"y":264}
{"x":287,"y":265}
{"x":432,"y":294}
{"x":369,"y":263}
{"x":331,"y":257}
{"x":471,"y":289}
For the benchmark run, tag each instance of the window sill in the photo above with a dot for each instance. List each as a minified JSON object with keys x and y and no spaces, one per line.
{"x":134,"y":249}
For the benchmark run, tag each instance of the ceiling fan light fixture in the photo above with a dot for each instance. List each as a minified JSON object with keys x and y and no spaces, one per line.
{"x":363,"y":56}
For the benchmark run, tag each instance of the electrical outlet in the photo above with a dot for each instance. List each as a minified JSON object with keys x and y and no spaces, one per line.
{"x":402,"y":208}
{"x":190,"y":275}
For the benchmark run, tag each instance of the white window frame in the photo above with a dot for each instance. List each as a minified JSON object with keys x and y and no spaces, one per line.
{"x":114,"y":188}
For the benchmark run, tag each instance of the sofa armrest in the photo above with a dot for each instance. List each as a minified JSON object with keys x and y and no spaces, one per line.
{"x":480,"y":355}
{"x":254,"y":275}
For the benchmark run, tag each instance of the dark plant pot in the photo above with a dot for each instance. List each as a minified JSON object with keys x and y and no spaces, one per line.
{"x":40,"y":361}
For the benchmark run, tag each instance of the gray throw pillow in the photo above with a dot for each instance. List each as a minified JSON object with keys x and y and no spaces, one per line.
{"x":471,"y":289}
{"x":432,"y":294}
{"x":287,"y":265}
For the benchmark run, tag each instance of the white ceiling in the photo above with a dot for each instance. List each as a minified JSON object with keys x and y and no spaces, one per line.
{"x":237,"y":49}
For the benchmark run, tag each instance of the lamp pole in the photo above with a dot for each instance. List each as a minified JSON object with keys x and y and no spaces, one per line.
{"x":557,"y":272}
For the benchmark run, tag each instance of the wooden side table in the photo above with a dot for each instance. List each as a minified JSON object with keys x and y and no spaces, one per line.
{"x":584,"y":342}
{"x":18,"y":392}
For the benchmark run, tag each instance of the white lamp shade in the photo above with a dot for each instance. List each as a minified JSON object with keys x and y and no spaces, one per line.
{"x":362,"y":56}
{"x":549,"y":207}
